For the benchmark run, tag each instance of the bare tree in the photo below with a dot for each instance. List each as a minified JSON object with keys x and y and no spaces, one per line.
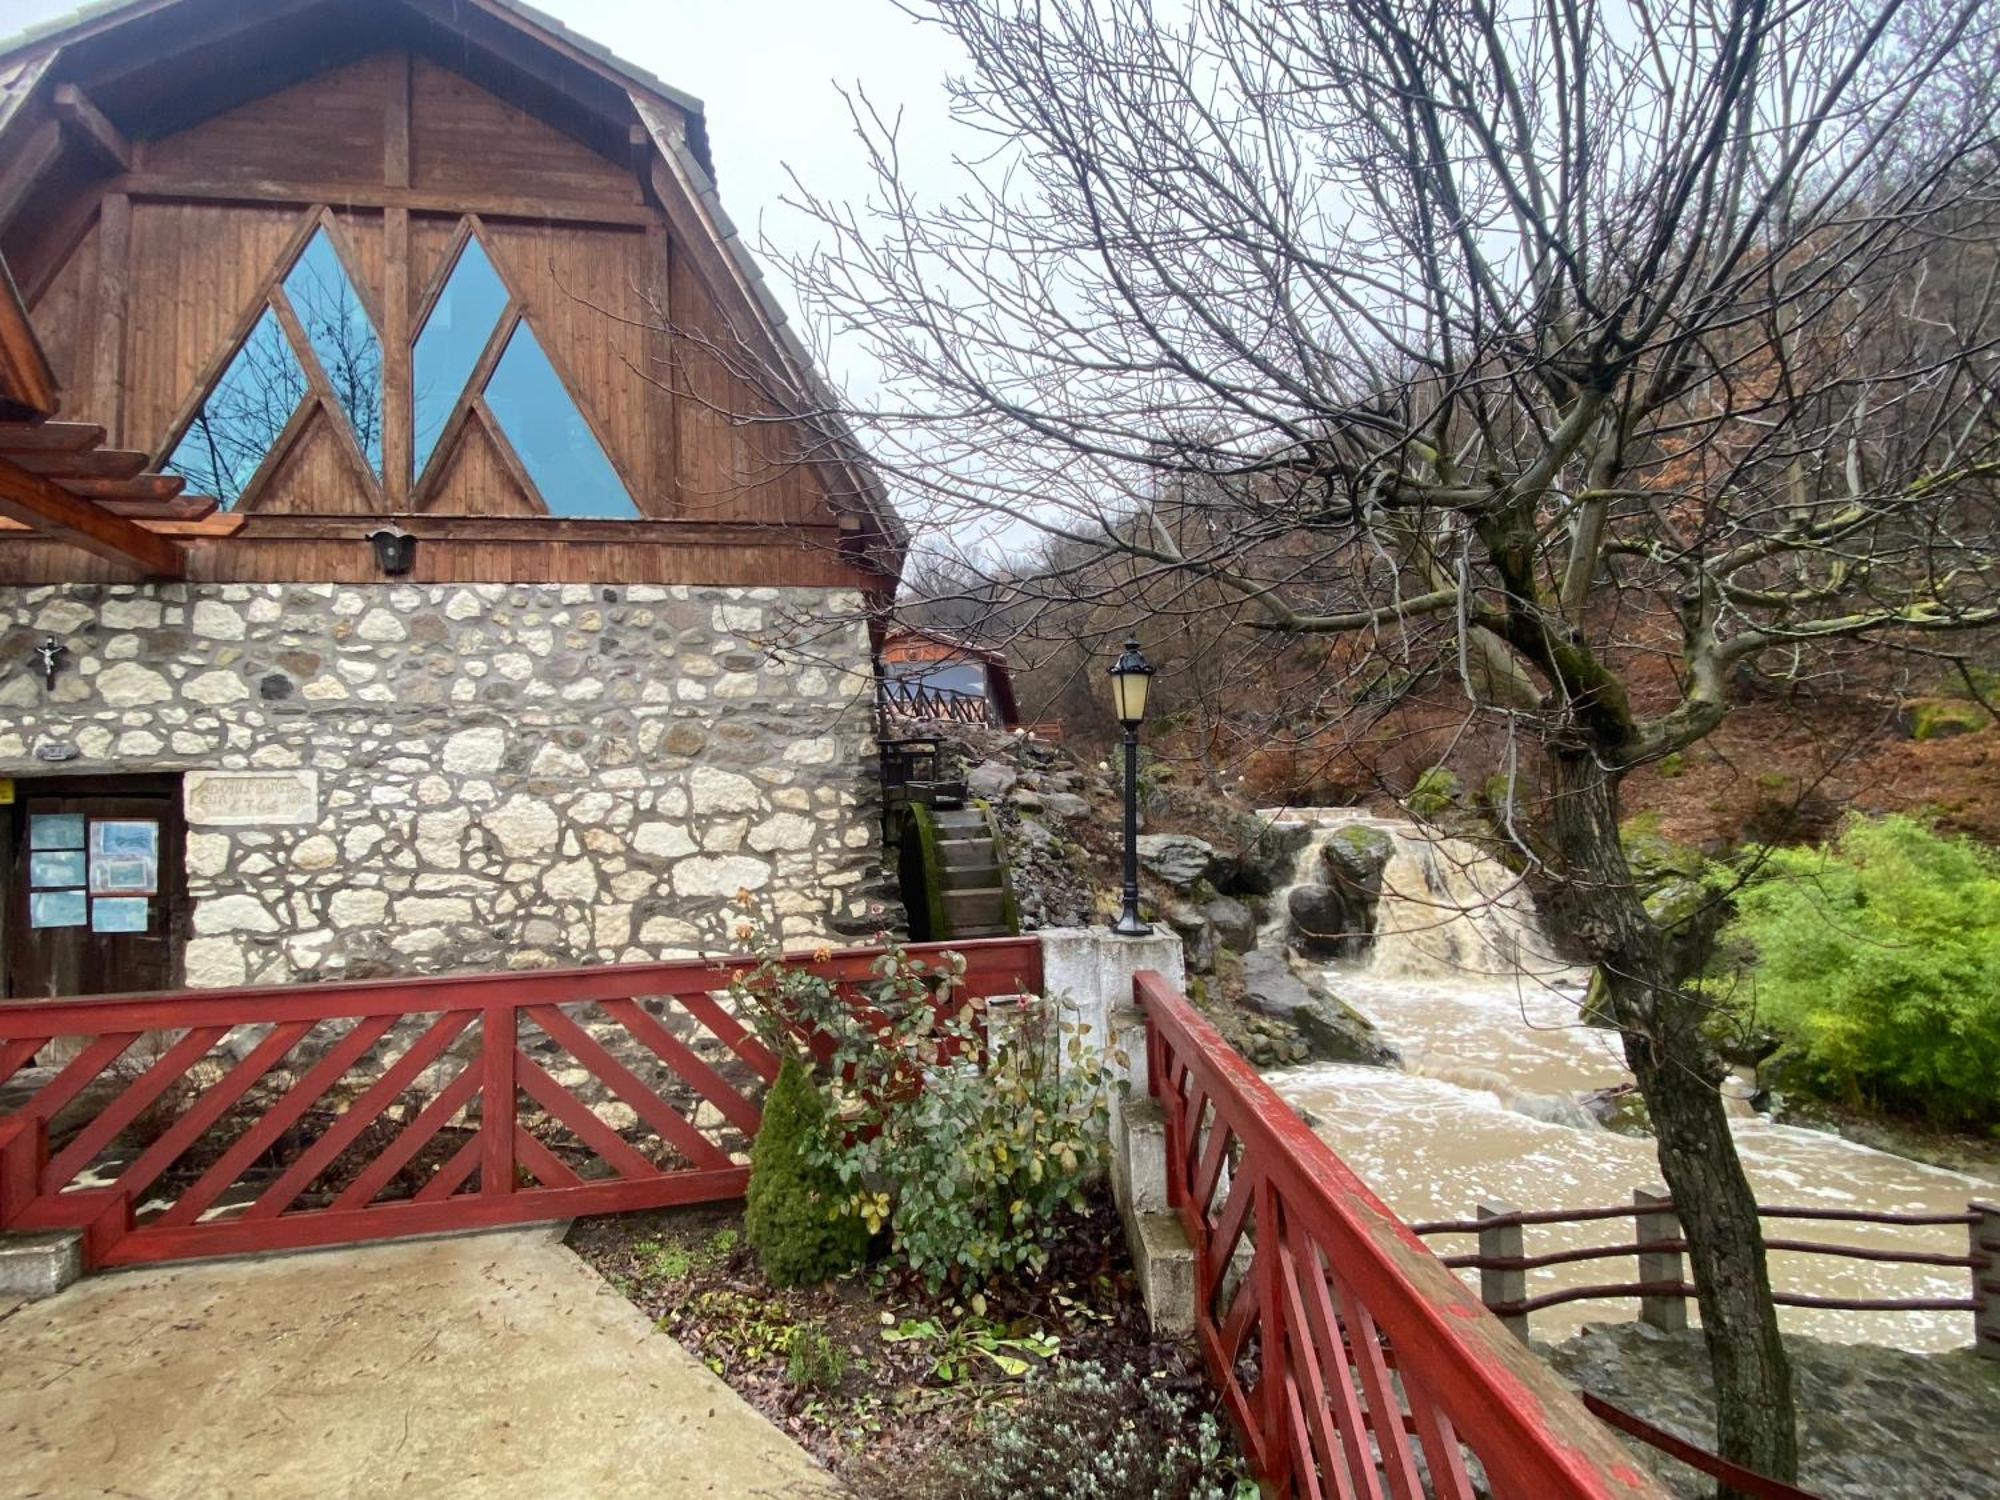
{"x":1492,"y":336}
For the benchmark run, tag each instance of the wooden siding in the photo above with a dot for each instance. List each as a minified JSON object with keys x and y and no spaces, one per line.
{"x":485,"y":549}
{"x":198,"y":273}
{"x":463,"y":140}
{"x":148,"y":279}
{"x":327,"y":129}
{"x":60,"y":314}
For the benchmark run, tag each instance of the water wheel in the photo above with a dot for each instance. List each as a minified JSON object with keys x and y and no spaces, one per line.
{"x":954,"y":875}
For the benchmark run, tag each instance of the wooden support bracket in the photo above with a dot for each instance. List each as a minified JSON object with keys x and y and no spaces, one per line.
{"x":39,"y":502}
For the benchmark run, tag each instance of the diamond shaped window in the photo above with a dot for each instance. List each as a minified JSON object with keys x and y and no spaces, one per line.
{"x":342,"y":338}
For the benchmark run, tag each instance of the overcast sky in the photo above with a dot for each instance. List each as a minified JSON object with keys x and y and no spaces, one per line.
{"x":767,"y":70}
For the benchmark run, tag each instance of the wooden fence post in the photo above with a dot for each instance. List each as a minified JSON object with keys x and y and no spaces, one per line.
{"x":1502,"y":1285}
{"x":1657,"y":1221}
{"x":1985,"y":1235}
{"x":498,"y":1027}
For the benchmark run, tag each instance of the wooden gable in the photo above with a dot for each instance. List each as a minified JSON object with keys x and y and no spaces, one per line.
{"x":169,"y":257}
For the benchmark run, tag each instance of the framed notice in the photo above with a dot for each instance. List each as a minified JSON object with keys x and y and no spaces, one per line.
{"x":56,"y":909}
{"x":118,"y":913}
{"x":124,"y":857}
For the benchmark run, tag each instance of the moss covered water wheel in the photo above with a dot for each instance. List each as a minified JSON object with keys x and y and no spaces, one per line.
{"x":954,"y":875}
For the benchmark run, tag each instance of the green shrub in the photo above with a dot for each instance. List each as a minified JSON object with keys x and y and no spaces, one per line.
{"x":1082,"y":1431}
{"x":797,"y":1215}
{"x":1878,"y":957}
{"x":968,"y":1167}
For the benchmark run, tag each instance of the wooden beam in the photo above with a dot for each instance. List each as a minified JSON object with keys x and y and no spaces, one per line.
{"x":40,"y":502}
{"x":49,"y":437}
{"x":349,"y":195}
{"x":178,"y":508}
{"x":27,"y":384}
{"x":108,"y":310}
{"x":38,"y":153}
{"x":398,"y":439}
{"x":85,"y":121}
{"x":97,"y":463}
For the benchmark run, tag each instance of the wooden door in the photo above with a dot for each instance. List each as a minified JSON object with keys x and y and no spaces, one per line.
{"x":93,"y":877}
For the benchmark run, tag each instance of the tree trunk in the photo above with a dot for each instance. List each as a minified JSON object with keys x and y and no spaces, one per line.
{"x":1589,"y":899}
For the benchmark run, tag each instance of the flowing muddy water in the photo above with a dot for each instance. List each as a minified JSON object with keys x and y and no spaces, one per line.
{"x":1494,"y":1053}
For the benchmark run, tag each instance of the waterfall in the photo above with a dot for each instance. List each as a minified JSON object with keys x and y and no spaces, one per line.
{"x":1448,"y":908}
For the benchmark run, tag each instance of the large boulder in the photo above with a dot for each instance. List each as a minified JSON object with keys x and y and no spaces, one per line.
{"x":1355,"y":855}
{"x":1179,"y":859}
{"x":1262,"y":862}
{"x":1321,"y":922}
{"x":1197,"y":934}
{"x":1235,"y":926}
{"x":991,"y":780}
{"x":1334,"y":1030}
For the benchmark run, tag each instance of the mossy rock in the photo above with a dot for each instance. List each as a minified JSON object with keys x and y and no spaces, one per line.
{"x":1653,"y":856}
{"x":1436,"y":791}
{"x":1940,"y":718}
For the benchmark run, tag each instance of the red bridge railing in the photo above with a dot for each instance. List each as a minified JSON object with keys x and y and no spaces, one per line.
{"x":214,"y":1122}
{"x":1351,"y":1361}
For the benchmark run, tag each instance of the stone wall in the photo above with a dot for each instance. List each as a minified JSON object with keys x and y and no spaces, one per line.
{"x":506,"y":774}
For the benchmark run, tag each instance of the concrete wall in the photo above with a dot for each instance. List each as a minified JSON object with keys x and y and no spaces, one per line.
{"x":438,"y":777}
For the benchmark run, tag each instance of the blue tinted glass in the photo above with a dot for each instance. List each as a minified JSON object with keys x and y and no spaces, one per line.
{"x":556,"y":445}
{"x":454,"y":335}
{"x":337,"y":326}
{"x":243,"y":415}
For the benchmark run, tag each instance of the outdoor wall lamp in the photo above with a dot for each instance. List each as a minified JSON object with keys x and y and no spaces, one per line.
{"x":1131,"y":677}
{"x":395,"y":550}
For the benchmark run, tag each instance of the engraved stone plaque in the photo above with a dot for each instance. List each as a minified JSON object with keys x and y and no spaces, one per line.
{"x":251,"y":799}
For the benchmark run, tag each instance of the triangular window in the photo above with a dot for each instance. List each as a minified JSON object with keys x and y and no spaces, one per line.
{"x":312,"y":344}
{"x":475,"y":325}
{"x":241,"y":420}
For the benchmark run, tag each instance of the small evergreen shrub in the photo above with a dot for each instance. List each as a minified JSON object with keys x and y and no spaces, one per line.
{"x":1878,"y":957}
{"x":797,"y":1216}
{"x":1081,"y":1430}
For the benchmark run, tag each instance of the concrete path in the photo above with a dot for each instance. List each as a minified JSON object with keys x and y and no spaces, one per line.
{"x":488,"y":1365}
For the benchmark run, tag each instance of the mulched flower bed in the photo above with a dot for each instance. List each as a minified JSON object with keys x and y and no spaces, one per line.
{"x":912,"y":1369}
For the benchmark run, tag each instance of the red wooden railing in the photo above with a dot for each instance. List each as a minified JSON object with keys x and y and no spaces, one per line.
{"x":214,"y":1122}
{"x":1352,"y":1363}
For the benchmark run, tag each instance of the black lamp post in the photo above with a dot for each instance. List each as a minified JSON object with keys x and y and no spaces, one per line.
{"x":1131,"y":676}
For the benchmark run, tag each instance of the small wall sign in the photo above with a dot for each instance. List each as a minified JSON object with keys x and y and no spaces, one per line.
{"x":54,"y":750}
{"x":251,"y":799}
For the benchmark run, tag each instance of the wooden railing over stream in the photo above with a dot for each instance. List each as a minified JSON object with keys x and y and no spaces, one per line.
{"x":214,"y":1122}
{"x":1351,"y":1361}
{"x":1662,"y":1286}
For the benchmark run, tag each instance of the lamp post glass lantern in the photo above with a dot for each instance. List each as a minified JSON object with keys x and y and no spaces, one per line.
{"x":1131,"y":678}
